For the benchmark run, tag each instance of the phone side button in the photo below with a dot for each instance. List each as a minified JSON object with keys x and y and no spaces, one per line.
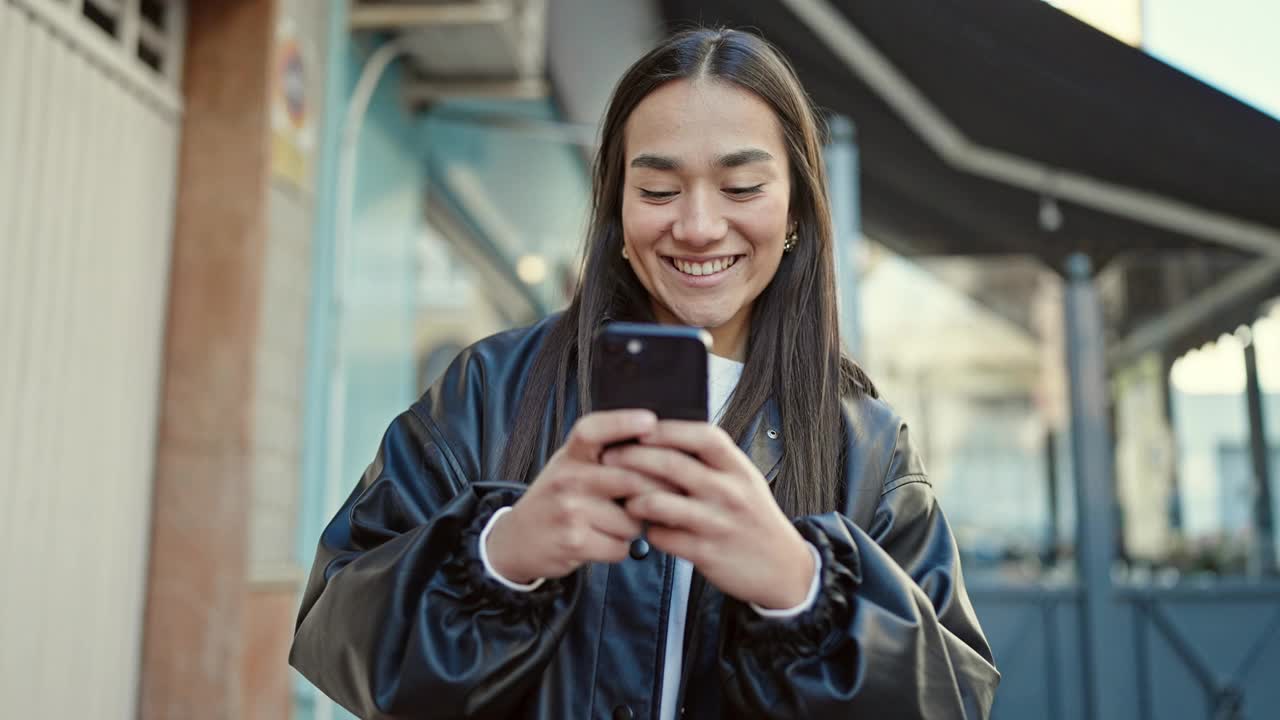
{"x":639,"y":548}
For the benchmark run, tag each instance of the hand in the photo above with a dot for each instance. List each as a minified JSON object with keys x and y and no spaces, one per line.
{"x":569,"y":515}
{"x":726,"y":522}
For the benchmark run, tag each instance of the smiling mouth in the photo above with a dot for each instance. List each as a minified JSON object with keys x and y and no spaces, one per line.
{"x":703,"y":267}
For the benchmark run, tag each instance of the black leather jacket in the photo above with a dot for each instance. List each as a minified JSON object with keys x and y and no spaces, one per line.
{"x":399,"y":619}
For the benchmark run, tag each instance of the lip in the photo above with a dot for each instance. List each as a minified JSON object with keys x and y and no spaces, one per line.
{"x":701,"y":281}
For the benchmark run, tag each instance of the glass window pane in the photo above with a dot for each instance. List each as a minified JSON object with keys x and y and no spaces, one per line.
{"x":976,"y":369}
{"x":1266,"y":340}
{"x":1187,"y":489}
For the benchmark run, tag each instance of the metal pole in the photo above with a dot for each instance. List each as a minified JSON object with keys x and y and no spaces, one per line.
{"x":842,"y":175}
{"x":1175,"y":483}
{"x":1054,"y":530}
{"x":1264,"y":524}
{"x":1096,"y":527}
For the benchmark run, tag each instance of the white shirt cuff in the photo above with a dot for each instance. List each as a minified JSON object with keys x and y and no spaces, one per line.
{"x":484,"y":557}
{"x":808,"y":600}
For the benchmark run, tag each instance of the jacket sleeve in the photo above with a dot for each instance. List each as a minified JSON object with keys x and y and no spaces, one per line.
{"x":398,"y":618}
{"x":891,"y":635}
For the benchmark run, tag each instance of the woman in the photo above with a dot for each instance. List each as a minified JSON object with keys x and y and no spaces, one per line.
{"x":439,"y":592}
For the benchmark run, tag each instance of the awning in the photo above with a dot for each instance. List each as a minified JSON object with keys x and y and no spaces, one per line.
{"x":969,"y":114}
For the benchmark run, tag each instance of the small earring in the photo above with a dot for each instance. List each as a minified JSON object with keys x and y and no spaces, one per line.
{"x":625,"y":256}
{"x":790,"y":244}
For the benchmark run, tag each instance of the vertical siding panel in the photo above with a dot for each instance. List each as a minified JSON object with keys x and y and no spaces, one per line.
{"x":97,"y":339}
{"x":119,"y":405}
{"x":13,"y":84}
{"x":32,"y":234}
{"x":13,"y":130}
{"x":24,"y":542}
{"x":42,"y":472}
{"x":67,"y":515}
{"x":76,"y":508}
{"x":145,"y":300}
{"x":12,"y":54}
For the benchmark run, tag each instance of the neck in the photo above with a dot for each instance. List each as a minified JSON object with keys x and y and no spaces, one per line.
{"x":728,"y":340}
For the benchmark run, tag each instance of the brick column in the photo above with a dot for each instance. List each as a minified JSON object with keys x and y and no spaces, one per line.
{"x":195,"y":624}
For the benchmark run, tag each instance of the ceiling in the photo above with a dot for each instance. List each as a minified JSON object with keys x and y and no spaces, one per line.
{"x":464,"y":48}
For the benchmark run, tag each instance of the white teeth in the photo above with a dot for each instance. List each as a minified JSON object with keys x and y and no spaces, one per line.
{"x":704,"y":268}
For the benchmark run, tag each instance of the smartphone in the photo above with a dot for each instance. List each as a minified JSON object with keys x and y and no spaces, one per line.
{"x":644,"y":366}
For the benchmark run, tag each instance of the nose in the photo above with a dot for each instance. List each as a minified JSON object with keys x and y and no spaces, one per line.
{"x":700,"y":223}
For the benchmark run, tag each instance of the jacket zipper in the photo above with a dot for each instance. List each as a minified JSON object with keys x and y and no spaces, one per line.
{"x":668,"y":580}
{"x":692,"y":636}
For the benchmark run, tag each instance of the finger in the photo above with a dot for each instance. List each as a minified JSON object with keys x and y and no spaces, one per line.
{"x":611,"y":483}
{"x":601,"y":547}
{"x":711,"y":444}
{"x":593,"y":432}
{"x":677,"y":511}
{"x":677,"y":468}
{"x":681,"y":543}
{"x":608,"y":518}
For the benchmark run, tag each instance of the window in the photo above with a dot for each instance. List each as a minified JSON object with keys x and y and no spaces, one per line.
{"x":147,"y":32}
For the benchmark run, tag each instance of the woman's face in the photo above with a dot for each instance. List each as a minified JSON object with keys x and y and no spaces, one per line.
{"x":705,"y":203}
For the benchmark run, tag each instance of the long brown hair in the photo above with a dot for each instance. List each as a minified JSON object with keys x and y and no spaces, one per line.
{"x":793,"y":353}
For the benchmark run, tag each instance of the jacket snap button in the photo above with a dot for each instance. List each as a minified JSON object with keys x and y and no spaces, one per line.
{"x":773,"y":434}
{"x":639,"y":551}
{"x":622,"y":712}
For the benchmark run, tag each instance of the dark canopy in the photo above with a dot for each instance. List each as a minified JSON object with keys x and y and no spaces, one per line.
{"x":1022,"y":77}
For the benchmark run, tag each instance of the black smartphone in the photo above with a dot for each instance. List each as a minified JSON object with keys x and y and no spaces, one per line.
{"x":644,"y":366}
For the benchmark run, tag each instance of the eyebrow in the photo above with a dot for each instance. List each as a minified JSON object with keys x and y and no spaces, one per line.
{"x":655,"y":162}
{"x":743,"y":157}
{"x":731,"y":160}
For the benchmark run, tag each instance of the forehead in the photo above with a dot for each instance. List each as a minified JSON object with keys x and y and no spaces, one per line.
{"x":702,"y":119}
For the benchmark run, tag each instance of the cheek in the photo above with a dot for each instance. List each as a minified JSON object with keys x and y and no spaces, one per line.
{"x":643,"y":224}
{"x":767,"y":225}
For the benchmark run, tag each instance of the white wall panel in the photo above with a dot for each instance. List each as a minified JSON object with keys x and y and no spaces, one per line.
{"x":87,"y":171}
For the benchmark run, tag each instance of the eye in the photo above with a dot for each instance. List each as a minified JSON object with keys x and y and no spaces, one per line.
{"x":657,"y":194}
{"x":744,"y":191}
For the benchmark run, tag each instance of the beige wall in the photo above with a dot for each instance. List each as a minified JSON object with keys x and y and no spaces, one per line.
{"x":274,"y":581}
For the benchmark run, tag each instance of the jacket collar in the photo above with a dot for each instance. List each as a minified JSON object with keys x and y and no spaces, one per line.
{"x":764,"y":441}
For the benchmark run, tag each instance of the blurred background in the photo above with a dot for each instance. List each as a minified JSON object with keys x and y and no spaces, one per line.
{"x":237,"y":237}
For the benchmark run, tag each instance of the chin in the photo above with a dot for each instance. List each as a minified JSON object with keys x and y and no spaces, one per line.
{"x":702,"y":317}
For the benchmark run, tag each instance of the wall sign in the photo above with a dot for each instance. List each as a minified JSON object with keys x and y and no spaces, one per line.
{"x":292,"y":111}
